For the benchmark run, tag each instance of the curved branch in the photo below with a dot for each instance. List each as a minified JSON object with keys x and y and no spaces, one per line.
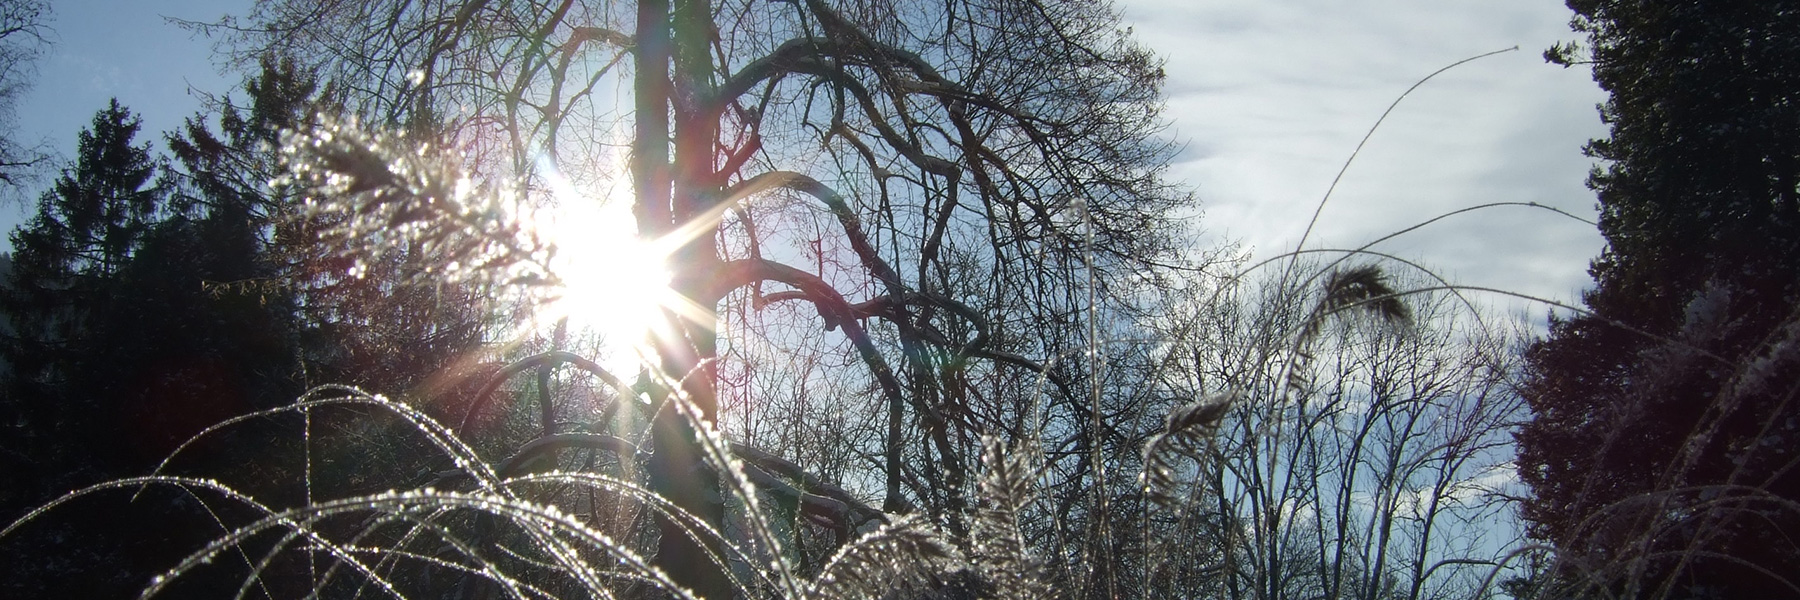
{"x":826,"y":512}
{"x":844,"y":511}
{"x":866,"y":51}
{"x":811,"y":485}
{"x":853,"y":229}
{"x":601,"y":34}
{"x":836,"y":312}
{"x":806,"y":54}
{"x":897,"y":292}
{"x":549,"y":444}
{"x":551,"y":358}
{"x":802,"y":56}
{"x":881,"y":307}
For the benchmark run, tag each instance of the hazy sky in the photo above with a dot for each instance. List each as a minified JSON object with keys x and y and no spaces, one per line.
{"x":1267,"y":97}
{"x":118,"y":48}
{"x":1270,"y":98}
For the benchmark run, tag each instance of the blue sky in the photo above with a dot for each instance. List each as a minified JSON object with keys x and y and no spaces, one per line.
{"x":125,"y":49}
{"x":1268,"y":99}
{"x":103,"y":49}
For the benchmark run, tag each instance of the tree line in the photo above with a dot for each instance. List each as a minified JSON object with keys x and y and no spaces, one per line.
{"x":152,"y":295}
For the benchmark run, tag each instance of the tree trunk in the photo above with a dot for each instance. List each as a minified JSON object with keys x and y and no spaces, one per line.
{"x":678,"y":470}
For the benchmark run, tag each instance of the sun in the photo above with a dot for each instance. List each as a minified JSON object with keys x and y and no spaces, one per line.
{"x":615,"y":283}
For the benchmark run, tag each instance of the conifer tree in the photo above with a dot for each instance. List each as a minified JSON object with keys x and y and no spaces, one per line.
{"x":62,"y":288}
{"x":75,"y":346}
{"x":1661,"y":453}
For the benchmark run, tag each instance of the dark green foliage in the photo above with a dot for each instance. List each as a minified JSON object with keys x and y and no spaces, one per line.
{"x":64,"y":289}
{"x":1651,"y":456}
{"x":105,"y":375}
{"x":318,"y":324}
{"x":383,"y":329}
{"x":150,"y":301}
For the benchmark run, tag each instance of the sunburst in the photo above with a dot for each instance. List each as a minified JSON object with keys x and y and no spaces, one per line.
{"x":614,"y":282}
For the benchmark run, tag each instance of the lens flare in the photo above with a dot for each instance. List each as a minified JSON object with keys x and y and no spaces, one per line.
{"x":615,"y":284}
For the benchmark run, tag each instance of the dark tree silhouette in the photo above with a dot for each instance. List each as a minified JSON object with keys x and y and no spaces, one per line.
{"x":150,"y":302}
{"x":1660,"y":456}
{"x":63,"y":292}
{"x":110,"y":358}
{"x":380,"y":331}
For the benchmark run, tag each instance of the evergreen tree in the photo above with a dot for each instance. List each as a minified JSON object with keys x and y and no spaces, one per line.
{"x":63,"y":287}
{"x":374,"y":328}
{"x":150,"y":302}
{"x":1661,"y":453}
{"x":298,"y":312}
{"x":86,"y":353}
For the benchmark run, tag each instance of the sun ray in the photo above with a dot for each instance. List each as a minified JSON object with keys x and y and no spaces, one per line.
{"x":615,"y":283}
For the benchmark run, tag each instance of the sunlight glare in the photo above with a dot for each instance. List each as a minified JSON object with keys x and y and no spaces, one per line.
{"x":615,"y":284}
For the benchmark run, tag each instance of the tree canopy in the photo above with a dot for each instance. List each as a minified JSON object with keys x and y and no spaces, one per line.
{"x":1659,"y":444}
{"x":948,"y":187}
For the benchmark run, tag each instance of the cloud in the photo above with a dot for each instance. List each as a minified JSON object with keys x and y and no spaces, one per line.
{"x":1271,"y":98}
{"x":96,"y":78}
{"x":1415,"y":502}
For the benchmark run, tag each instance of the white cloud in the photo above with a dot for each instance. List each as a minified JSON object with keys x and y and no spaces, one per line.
{"x":1271,"y":98}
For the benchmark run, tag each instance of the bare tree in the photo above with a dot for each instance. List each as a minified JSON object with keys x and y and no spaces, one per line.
{"x":1367,"y":448}
{"x":936,"y":209}
{"x":24,"y":27}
